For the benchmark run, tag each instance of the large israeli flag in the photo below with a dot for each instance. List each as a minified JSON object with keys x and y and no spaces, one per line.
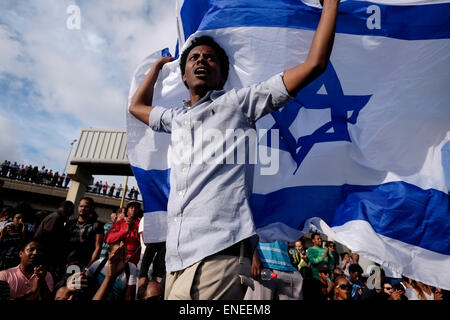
{"x":359,"y":149}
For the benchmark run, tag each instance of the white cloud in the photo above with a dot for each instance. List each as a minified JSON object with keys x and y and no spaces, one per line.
{"x":8,"y":143}
{"x":10,"y":50}
{"x":76,"y":74}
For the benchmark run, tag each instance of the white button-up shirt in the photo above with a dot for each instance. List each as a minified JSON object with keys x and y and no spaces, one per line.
{"x":208,"y":208}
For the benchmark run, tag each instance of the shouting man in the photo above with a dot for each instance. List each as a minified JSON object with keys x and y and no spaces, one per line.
{"x":209,"y":217}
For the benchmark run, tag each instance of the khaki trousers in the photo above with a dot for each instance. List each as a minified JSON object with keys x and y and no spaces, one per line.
{"x":217,"y":277}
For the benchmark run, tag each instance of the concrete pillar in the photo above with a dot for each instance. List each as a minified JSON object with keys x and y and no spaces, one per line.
{"x":80,"y":179}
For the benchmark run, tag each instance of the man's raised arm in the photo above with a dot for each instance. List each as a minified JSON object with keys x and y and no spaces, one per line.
{"x":141,"y":104}
{"x":315,"y":64}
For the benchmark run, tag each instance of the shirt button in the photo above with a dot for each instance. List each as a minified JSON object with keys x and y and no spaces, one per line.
{"x":185,"y":169}
{"x":175,"y":219}
{"x":180,"y":193}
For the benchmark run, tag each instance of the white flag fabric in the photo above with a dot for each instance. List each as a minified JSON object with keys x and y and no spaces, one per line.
{"x":359,"y":149}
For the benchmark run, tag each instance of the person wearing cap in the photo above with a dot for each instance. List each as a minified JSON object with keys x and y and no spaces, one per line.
{"x":326,"y":284}
{"x":342,"y":289}
{"x":286,"y":282}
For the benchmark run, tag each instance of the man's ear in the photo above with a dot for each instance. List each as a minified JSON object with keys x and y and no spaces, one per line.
{"x":184,"y":80}
{"x":223,"y":81}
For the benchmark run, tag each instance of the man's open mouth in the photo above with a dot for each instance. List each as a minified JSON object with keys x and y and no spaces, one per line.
{"x":200,"y":71}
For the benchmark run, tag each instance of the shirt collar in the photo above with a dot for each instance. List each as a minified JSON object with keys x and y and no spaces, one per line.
{"x":210,"y":95}
{"x":23,"y":274}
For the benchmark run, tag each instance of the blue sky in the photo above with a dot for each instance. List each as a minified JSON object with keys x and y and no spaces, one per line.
{"x":55,"y":81}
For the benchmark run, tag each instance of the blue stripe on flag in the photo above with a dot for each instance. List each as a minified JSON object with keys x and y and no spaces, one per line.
{"x":154,"y":186}
{"x":416,"y":22}
{"x":397,"y":210}
{"x":165,"y":53}
{"x":423,"y":215}
{"x":192,"y":13}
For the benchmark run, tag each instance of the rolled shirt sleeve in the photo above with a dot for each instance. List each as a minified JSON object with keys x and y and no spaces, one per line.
{"x":161,"y":119}
{"x":260,"y":99}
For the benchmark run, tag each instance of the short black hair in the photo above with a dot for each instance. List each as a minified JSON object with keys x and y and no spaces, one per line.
{"x":133,"y":204}
{"x":339,"y":278}
{"x":314,"y":234}
{"x":8,"y":212}
{"x":355,"y":268}
{"x":221,"y":55}
{"x":398,"y":286}
{"x":23,"y":244}
{"x":26,"y":210}
{"x":137,"y":205}
{"x":88,"y":199}
{"x":343,"y":254}
{"x":66,"y":203}
{"x":73,"y":258}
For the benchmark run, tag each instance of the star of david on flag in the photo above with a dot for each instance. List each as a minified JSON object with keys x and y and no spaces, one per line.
{"x":344,"y":110}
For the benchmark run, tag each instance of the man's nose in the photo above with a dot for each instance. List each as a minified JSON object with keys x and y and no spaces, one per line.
{"x":201,"y":60}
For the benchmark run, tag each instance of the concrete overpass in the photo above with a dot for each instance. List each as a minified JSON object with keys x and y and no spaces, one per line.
{"x":98,"y":152}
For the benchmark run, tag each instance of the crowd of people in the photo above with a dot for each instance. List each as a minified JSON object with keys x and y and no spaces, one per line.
{"x":64,"y":258}
{"x":100,"y":187}
{"x":30,"y":173}
{"x":58,"y":257}
{"x":328,"y":275}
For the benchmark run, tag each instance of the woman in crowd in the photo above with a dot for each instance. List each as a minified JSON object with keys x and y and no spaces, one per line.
{"x":342,"y":289}
{"x":421,"y":291}
{"x":11,"y":237}
{"x":127,"y":230}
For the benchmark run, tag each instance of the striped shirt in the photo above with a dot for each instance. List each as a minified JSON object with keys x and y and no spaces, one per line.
{"x":105,"y":247}
{"x":274,"y":255}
